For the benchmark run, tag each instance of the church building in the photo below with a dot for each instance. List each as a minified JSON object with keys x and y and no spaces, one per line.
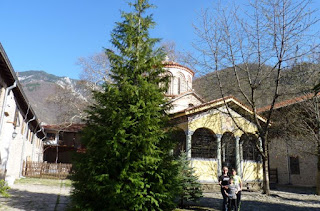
{"x":213,"y":134}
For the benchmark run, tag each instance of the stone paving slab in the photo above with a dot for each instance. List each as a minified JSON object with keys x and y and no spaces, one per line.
{"x":36,"y":197}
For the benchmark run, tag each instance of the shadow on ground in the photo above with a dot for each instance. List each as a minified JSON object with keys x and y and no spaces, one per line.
{"x":293,"y":189}
{"x":253,"y":201}
{"x":25,"y":200}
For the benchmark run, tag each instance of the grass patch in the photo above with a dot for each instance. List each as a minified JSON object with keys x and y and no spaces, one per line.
{"x":47,"y":182}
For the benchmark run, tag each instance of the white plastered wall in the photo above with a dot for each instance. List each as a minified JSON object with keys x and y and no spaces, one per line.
{"x":13,"y":149}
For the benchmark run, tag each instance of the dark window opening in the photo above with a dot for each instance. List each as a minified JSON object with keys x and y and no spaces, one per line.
{"x":179,"y":139}
{"x":294,"y":165}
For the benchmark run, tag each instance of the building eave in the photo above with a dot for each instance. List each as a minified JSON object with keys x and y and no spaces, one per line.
{"x":9,"y":76}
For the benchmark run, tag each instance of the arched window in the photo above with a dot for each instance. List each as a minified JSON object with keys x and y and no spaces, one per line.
{"x":182,"y":83}
{"x":249,"y":144}
{"x":170,"y":83}
{"x":189,"y":84}
{"x":203,"y":144}
{"x":228,"y":146}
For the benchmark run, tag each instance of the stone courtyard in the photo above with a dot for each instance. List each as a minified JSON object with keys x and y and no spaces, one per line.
{"x":37,"y":196}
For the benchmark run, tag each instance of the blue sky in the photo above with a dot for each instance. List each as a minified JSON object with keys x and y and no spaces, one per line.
{"x":51,"y":35}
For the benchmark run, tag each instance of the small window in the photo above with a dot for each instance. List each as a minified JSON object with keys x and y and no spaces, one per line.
{"x":294,"y":165}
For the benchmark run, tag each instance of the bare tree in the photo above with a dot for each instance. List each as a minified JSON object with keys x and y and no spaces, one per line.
{"x":70,"y":103}
{"x":258,"y":44}
{"x":95,"y":68}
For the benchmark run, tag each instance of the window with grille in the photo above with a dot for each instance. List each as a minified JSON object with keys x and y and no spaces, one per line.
{"x":249,"y":147}
{"x":228,"y":147}
{"x":203,"y":144}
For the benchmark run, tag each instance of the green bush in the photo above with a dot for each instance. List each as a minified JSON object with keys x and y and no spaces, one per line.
{"x":4,"y":188}
{"x":190,"y":186}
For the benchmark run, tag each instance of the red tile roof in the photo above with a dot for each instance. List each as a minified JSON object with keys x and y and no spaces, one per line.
{"x":288,"y":102}
{"x":177,"y":65}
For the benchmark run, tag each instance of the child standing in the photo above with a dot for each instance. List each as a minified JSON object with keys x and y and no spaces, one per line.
{"x":232,"y":194}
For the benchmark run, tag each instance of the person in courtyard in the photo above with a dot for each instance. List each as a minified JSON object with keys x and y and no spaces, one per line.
{"x":238,"y":182}
{"x":224,"y":183}
{"x":231,"y":192}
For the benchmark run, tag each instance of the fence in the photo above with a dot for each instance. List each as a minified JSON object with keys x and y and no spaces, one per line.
{"x":46,"y":170}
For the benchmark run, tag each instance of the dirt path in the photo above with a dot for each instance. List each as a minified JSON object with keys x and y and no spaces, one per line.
{"x":36,"y":197}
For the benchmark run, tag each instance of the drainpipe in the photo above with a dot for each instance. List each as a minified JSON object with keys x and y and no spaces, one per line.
{"x":23,"y":145}
{"x":5,"y":103}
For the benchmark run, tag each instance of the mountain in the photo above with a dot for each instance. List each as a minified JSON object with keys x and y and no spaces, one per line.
{"x":61,"y":99}
{"x":55,"y":99}
{"x":294,"y":82}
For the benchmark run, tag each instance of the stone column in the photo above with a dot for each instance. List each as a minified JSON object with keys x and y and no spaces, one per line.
{"x":189,"y":134}
{"x":241,"y":158}
{"x":219,"y":136}
{"x":238,"y":155}
{"x":260,"y":146}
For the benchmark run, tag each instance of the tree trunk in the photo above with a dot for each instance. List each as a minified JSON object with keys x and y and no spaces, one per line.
{"x":318,"y":172}
{"x":265,"y":160}
{"x":266,"y":182}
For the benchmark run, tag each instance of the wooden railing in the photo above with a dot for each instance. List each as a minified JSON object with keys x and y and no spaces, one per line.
{"x":46,"y":170}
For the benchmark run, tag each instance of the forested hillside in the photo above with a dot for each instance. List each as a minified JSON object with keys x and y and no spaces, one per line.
{"x":297,"y":81}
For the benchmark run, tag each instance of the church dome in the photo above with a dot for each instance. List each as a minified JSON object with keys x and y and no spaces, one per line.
{"x":180,"y":79}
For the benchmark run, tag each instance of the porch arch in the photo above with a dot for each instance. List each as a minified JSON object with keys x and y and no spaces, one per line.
{"x":204,"y":144}
{"x":249,"y":143}
{"x":179,"y":138}
{"x":228,"y":150}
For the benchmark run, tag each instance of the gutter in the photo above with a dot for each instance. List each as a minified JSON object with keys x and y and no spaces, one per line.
{"x":8,"y":89}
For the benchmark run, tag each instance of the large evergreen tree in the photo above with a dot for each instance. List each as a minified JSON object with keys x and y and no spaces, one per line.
{"x":127,"y":164}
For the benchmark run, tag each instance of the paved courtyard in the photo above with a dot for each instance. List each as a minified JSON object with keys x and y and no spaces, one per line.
{"x":281,"y":198}
{"x":36,"y":197}
{"x":56,"y":198}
